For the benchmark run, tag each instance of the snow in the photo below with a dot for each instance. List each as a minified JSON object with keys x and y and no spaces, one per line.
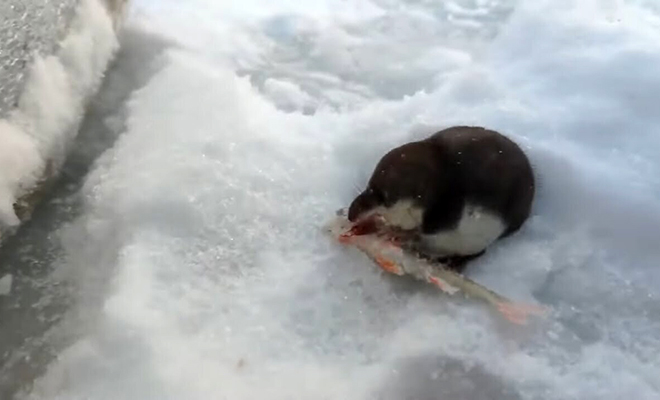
{"x":5,"y":285}
{"x":37,"y":133}
{"x":266,"y":119}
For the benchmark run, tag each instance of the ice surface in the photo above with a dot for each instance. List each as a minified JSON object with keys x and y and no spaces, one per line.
{"x":27,"y":28}
{"x":5,"y":285}
{"x":267,"y":119}
{"x":35,"y":134}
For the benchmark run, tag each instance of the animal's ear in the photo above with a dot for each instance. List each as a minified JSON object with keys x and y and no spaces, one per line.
{"x":443,"y":213}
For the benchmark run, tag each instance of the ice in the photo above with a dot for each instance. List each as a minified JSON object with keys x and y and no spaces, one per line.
{"x":265,"y":120}
{"x":5,"y":285}
{"x":37,"y":133}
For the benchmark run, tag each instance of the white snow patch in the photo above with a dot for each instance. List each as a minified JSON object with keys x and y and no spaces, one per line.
{"x":19,"y":161}
{"x":287,"y":95}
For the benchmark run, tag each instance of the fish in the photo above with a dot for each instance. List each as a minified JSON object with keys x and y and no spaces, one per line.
{"x":387,"y":249}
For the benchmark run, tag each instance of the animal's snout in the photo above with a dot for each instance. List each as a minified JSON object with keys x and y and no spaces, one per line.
{"x":360,"y":206}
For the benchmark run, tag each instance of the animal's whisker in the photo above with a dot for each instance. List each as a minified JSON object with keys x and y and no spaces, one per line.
{"x":357,"y":189}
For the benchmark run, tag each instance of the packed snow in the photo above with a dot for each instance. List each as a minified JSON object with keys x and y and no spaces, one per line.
{"x":268,"y":116}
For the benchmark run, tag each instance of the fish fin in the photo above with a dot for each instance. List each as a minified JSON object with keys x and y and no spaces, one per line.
{"x":444,"y":286}
{"x":388,"y":266}
{"x":518,"y":313}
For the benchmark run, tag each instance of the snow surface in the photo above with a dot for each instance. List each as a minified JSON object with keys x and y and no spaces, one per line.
{"x":267,"y":118}
{"x":36,"y":135}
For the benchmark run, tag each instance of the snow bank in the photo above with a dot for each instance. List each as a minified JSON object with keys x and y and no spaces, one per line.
{"x":35,"y":136}
{"x":236,"y":153}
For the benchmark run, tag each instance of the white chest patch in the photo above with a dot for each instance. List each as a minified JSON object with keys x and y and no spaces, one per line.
{"x":476,"y":230}
{"x":402,"y":214}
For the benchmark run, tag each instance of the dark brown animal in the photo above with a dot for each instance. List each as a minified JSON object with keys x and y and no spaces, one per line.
{"x":456,"y":192}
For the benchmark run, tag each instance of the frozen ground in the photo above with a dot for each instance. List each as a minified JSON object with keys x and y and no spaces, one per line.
{"x":198,"y":267}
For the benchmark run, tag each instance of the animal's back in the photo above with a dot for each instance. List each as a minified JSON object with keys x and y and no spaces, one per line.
{"x":494,"y":171}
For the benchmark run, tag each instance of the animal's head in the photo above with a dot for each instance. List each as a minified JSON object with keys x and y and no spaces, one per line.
{"x":400,"y":187}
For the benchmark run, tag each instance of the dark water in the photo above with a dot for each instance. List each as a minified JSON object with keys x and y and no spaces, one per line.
{"x":30,"y":316}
